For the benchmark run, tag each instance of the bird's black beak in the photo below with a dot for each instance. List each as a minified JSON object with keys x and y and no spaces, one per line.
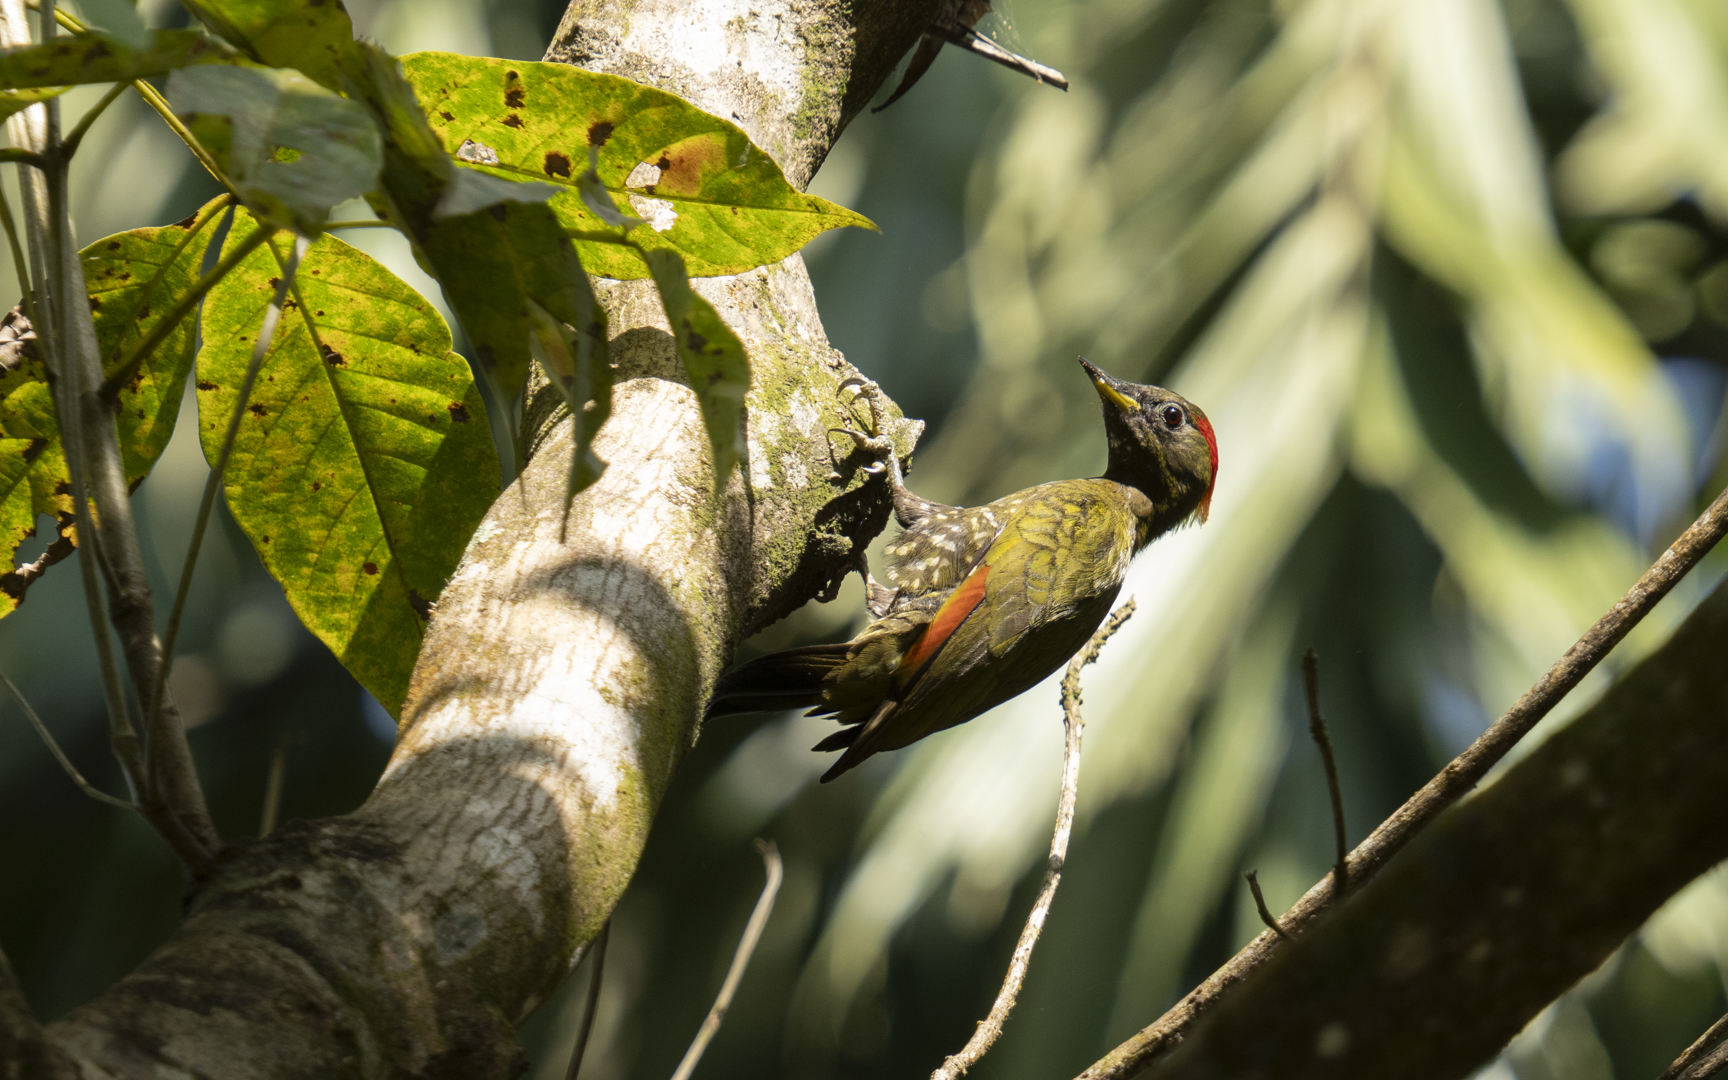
{"x":1109,"y":387}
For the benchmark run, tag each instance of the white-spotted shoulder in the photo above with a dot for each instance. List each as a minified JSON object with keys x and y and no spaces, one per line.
{"x":946,"y":545}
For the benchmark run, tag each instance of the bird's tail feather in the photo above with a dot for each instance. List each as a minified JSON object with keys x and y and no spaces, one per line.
{"x":782,"y":680}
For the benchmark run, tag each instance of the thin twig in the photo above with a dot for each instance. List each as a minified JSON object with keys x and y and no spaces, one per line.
{"x":740,"y":960}
{"x":1452,"y":783}
{"x":1323,"y":739}
{"x":1714,"y":1034}
{"x":70,"y":145}
{"x":273,"y":787}
{"x":213,"y":482}
{"x":973,"y":42}
{"x":1074,"y":725}
{"x":591,"y":1007}
{"x":358,"y":223}
{"x":1266,"y":915}
{"x":60,"y":755}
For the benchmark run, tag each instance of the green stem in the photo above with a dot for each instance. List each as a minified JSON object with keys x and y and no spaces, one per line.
{"x":70,"y":145}
{"x":213,"y":483}
{"x":23,"y":157}
{"x":182,"y":307}
{"x":360,"y":224}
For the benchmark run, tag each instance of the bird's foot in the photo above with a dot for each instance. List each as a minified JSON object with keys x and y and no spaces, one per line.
{"x":872,"y":440}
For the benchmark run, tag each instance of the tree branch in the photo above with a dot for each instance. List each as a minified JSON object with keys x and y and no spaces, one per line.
{"x":1504,"y":902}
{"x":1682,"y":1068}
{"x":1452,"y":783}
{"x":558,"y":683}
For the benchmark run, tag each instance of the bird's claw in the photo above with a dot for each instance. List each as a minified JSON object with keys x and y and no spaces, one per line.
{"x":872,"y":395}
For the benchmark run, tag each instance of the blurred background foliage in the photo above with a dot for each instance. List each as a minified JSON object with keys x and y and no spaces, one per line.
{"x":1451,"y":279}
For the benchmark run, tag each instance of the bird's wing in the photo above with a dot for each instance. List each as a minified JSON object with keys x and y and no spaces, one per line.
{"x":944,"y":548}
{"x":1055,"y":555}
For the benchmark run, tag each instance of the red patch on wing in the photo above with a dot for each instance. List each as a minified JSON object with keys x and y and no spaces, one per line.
{"x":948,"y":618}
{"x":1205,"y":427}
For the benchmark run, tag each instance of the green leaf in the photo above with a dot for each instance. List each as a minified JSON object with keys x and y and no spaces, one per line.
{"x":365,"y":462}
{"x":492,"y":261}
{"x":471,"y":191}
{"x":294,"y":148}
{"x":492,"y":264}
{"x":33,"y":477}
{"x":704,"y":189}
{"x":16,"y":101}
{"x":578,"y":365}
{"x":713,"y":358}
{"x":312,"y":36}
{"x":97,"y":58}
{"x":133,"y":278}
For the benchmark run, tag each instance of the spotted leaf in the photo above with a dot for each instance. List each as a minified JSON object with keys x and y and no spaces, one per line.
{"x":364,"y":460}
{"x":704,"y":190}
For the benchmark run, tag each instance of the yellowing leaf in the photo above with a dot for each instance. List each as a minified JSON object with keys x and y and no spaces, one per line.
{"x":706,"y":192}
{"x":310,"y":36}
{"x":134,"y":278}
{"x":365,"y":460}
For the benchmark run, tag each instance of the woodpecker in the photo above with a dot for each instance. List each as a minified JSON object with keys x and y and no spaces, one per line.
{"x":982,"y":603}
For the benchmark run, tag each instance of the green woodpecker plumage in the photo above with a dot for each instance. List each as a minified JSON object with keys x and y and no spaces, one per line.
{"x":982,"y":603}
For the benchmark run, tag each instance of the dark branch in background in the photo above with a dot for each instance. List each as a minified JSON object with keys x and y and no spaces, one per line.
{"x":1453,"y":782}
{"x":740,"y":960}
{"x":1266,"y":915}
{"x":596,"y":972}
{"x":1323,"y":739}
{"x":1074,"y":726}
{"x":954,"y":26}
{"x":1683,"y":1067}
{"x":979,"y":45}
{"x":1500,"y":905}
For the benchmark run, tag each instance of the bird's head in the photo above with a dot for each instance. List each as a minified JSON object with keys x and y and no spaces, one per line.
{"x":1159,"y":443}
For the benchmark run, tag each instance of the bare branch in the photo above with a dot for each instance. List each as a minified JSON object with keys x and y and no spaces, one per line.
{"x":990,"y":1028}
{"x":1682,"y":1067}
{"x":740,"y":960}
{"x":1452,"y":783}
{"x":1323,"y":739}
{"x":60,"y":755}
{"x":979,"y":45}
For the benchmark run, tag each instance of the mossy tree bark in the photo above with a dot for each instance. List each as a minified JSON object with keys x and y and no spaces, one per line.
{"x":559,"y":682}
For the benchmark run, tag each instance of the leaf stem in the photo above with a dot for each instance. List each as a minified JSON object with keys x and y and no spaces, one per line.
{"x":70,"y":145}
{"x":60,"y":755}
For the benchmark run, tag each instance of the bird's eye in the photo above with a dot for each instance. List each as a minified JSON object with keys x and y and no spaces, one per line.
{"x":1173,"y":416}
